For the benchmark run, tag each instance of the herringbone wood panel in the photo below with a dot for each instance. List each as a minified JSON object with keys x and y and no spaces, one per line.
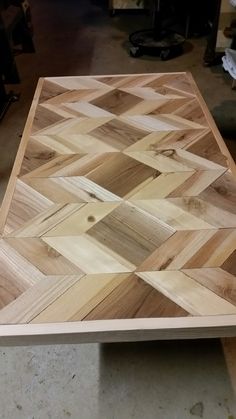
{"x":124,"y":206}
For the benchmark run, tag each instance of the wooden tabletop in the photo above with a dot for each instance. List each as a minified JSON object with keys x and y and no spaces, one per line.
{"x":119,"y":221}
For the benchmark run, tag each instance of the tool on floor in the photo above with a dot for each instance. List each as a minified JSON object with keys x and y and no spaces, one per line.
{"x":6,"y":99}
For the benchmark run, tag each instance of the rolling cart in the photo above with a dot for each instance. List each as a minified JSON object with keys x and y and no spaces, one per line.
{"x":158,"y":40}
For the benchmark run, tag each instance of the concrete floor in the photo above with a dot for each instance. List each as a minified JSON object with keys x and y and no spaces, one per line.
{"x":165,"y":380}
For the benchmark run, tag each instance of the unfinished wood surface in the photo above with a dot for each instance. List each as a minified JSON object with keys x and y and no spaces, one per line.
{"x":121,"y":207}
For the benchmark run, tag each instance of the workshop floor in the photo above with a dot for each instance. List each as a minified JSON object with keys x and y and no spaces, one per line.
{"x":162,"y":380}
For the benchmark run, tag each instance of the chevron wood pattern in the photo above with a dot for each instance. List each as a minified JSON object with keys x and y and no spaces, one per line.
{"x":121,"y":205}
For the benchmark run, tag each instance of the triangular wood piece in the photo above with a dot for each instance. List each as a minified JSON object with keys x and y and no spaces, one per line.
{"x":45,"y":118}
{"x":220,"y":282}
{"x":50,"y":90}
{"x":36,"y":155}
{"x":208,"y":148}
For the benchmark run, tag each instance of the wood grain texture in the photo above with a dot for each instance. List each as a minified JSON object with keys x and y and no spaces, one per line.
{"x":120,"y":207}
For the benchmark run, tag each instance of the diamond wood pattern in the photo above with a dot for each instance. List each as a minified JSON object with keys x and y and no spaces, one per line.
{"x":121,"y":207}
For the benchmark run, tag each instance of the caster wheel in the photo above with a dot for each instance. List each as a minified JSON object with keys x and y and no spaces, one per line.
{"x":135,"y":52}
{"x":14,"y":96}
{"x":165,"y":54}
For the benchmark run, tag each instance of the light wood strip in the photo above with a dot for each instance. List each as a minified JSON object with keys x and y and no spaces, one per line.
{"x":72,"y":96}
{"x":73,"y":189}
{"x":25,"y":205}
{"x":162,"y":186}
{"x":215,"y":251}
{"x":80,"y":299}
{"x":16,"y":274}
{"x":42,"y":256}
{"x":186,"y":292}
{"x":174,"y":161}
{"x":168,"y":140}
{"x":207,"y":147}
{"x":220,"y":282}
{"x":172,"y":215}
{"x":175,"y":252}
{"x":46,"y":220}
{"x":89,"y":255}
{"x":36,"y":299}
{"x":222,"y":193}
{"x":36,"y":154}
{"x":82,"y":219}
{"x":75,"y":83}
{"x":160,"y":123}
{"x":204,"y":210}
{"x":135,"y":298}
{"x":197,"y":183}
{"x":74,"y":143}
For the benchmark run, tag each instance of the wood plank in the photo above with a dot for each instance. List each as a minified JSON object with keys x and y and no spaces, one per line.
{"x":45,"y":220}
{"x":164,"y":140}
{"x":42,"y":256}
{"x":175,"y":252}
{"x":26,"y":204}
{"x":203,"y":209}
{"x":220,"y":282}
{"x":73,"y":189}
{"x":81,"y":220}
{"x":89,"y":255}
{"x":173,"y":215}
{"x":16,"y":274}
{"x":36,"y":299}
{"x":115,"y":331}
{"x":81,"y":298}
{"x":134,"y":298}
{"x":184,"y":291}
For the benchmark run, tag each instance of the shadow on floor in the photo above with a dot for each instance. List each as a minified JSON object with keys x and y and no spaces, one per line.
{"x":225,"y":117}
{"x":161,"y":373}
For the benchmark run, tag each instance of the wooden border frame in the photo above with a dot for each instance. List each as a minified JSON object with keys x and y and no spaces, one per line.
{"x":19,"y":157}
{"x":114,"y":330}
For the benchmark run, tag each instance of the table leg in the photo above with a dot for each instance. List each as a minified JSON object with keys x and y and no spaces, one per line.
{"x":229,"y":348}
{"x":210,"y":52}
{"x":6,"y":99}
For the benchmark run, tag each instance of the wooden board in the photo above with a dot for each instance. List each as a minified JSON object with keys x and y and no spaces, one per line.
{"x":119,"y":221}
{"x":126,"y":4}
